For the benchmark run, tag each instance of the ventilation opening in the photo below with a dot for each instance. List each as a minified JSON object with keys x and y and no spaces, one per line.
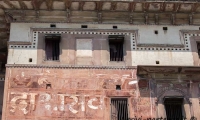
{"x":52,"y":47}
{"x":156,"y":32}
{"x":119,"y":109}
{"x":165,"y":28}
{"x":198,"y":48}
{"x":199,"y":28}
{"x":84,"y":26}
{"x":52,"y":25}
{"x":48,"y":86}
{"x":173,"y":108}
{"x":114,"y":27}
{"x":30,"y":60}
{"x":116,"y":47}
{"x":118,"y":87}
{"x":157,"y":62}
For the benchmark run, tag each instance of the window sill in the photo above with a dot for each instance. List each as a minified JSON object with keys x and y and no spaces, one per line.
{"x":118,"y":63}
{"x":51,"y":60}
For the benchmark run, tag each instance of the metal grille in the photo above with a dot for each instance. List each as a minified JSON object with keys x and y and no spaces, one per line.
{"x":52,"y":47}
{"x":116,"y":47}
{"x":119,"y":109}
{"x":173,"y":107}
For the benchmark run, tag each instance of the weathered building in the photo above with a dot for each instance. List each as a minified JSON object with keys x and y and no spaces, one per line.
{"x":99,"y":59}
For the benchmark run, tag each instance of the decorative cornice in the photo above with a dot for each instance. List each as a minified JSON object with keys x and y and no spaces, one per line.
{"x":68,"y":66}
{"x":84,"y":31}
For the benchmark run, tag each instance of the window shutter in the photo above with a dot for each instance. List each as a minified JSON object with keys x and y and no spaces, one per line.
{"x":52,"y":46}
{"x":49,"y":50}
{"x":116,"y":47}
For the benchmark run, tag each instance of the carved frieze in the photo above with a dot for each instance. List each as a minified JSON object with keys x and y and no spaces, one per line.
{"x":170,"y":89}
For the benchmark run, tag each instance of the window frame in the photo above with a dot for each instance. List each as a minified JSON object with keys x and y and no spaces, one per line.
{"x":117,"y":41}
{"x":174,"y":97}
{"x":92,"y":47}
{"x":127,"y":100}
{"x":45,"y":46}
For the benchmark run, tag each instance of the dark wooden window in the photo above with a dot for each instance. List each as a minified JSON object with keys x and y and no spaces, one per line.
{"x":198,"y":48}
{"x":119,"y":109}
{"x":116,"y":47}
{"x":173,"y":108}
{"x":52,"y":47}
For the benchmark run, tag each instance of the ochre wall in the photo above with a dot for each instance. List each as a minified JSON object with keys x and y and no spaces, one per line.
{"x":75,"y":93}
{"x":85,"y":93}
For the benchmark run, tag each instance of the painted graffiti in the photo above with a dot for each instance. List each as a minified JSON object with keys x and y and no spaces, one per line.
{"x":39,"y":79}
{"x":22,"y":105}
{"x":19,"y":101}
{"x":67,"y":93}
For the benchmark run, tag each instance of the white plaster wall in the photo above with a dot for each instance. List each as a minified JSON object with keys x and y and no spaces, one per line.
{"x":22,"y":32}
{"x":21,"y":56}
{"x":164,"y":58}
{"x":170,"y":36}
{"x":84,"y":47}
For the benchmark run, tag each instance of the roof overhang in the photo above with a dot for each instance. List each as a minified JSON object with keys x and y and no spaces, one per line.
{"x":134,"y":12}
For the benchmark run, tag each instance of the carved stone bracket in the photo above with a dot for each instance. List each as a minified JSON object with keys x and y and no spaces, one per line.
{"x":23,"y":14}
{"x":146,"y":18}
{"x":131,"y":19}
{"x":37,"y":14}
{"x":191,"y":19}
{"x":8,"y":17}
{"x":156,"y":19}
{"x":68,"y":15}
{"x":99,"y":17}
{"x":173,"y":19}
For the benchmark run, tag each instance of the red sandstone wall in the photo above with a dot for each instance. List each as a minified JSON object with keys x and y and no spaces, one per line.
{"x":72,"y":94}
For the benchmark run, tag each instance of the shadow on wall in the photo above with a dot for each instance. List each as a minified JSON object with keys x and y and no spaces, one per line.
{"x":1,"y":97}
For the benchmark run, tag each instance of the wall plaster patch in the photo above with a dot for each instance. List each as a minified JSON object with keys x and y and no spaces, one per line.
{"x":186,"y":45}
{"x":33,"y":44}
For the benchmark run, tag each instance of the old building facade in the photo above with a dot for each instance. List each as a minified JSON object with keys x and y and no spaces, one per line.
{"x":101,"y":60}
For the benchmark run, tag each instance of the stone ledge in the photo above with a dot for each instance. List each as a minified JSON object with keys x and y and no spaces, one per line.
{"x":69,"y":66}
{"x":19,"y":43}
